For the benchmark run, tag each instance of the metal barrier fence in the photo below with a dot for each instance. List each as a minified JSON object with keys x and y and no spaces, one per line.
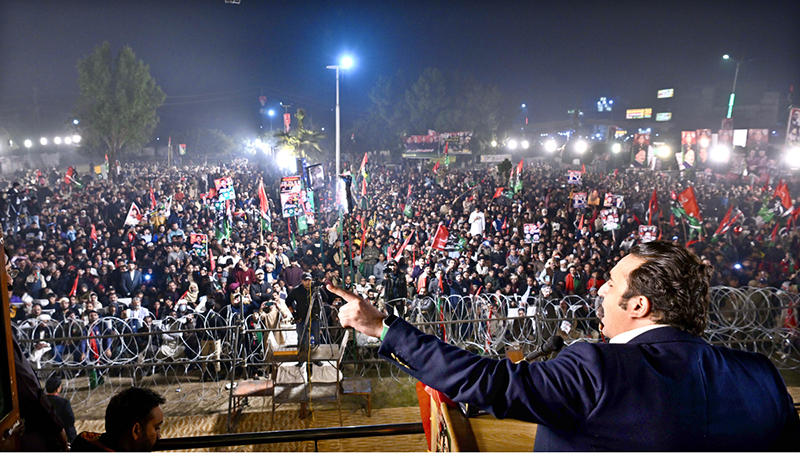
{"x":101,"y":358}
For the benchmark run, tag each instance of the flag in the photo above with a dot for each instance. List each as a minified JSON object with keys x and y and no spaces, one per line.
{"x":93,"y":234}
{"x":153,"y":202}
{"x":182,"y":149}
{"x":212,"y":264}
{"x":168,"y":207}
{"x":263,"y":202}
{"x":498,"y":192}
{"x":440,"y":239}
{"x":689,"y":203}
{"x":727,"y":221}
{"x":74,"y":290}
{"x":775,"y":231}
{"x":133,"y":254}
{"x":403,"y":246}
{"x":652,"y":207}
{"x":363,"y":175}
{"x":408,"y":211}
{"x":782,"y":192}
{"x":518,"y":178}
{"x":436,"y":166}
{"x":446,"y":156}
{"x":134,"y":215}
{"x":71,"y":177}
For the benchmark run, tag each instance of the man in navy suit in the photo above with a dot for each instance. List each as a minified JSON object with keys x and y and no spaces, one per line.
{"x":656,"y":386}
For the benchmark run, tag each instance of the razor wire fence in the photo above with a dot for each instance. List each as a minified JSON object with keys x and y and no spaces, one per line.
{"x":198,"y":356}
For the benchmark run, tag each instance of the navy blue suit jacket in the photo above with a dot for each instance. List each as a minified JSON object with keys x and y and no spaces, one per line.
{"x":665,"y":390}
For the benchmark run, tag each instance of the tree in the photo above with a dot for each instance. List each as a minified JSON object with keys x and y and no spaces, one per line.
{"x":117,"y":103}
{"x":206,"y":142}
{"x":303,"y":142}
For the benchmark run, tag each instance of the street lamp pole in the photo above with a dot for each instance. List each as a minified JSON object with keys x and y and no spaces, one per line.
{"x":733,"y":90}
{"x":345,"y":63}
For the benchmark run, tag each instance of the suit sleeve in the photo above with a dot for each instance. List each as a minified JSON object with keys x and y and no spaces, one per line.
{"x":559,"y":393}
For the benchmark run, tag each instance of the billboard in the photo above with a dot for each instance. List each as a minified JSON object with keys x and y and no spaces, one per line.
{"x":663,"y":116}
{"x":793,"y":128}
{"x":666,"y":93}
{"x":632,"y":114}
{"x":640,"y":150}
{"x":291,"y":197}
{"x":423,"y":146}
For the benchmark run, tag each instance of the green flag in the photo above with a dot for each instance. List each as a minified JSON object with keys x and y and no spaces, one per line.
{"x":302,"y":224}
{"x":266,"y":224}
{"x":225,"y":232}
{"x":409,"y":212}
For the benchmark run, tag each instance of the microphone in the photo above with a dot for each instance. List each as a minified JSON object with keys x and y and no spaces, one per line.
{"x":554,"y":344}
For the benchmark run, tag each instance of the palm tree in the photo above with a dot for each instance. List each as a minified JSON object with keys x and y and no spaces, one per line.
{"x":302,"y":142}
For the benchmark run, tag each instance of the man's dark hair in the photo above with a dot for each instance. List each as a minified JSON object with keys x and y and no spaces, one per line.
{"x":128,"y":407}
{"x":675,"y":282}
{"x":52,"y":384}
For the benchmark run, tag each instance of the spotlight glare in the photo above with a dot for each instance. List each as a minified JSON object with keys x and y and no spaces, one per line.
{"x":793,"y":157}
{"x":76,"y":138}
{"x":56,"y":140}
{"x":525,"y":144}
{"x":616,"y":148}
{"x":28,"y":143}
{"x":664,"y":151}
{"x":550,"y":146}
{"x":43,"y":141}
{"x":68,"y":140}
{"x":494,"y":143}
{"x":581,"y":146}
{"x":720,"y":154}
{"x":512,"y":144}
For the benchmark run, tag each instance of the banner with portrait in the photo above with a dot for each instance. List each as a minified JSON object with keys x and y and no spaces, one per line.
{"x":757,"y":140}
{"x":686,"y":157}
{"x":640,"y":150}
{"x":610,"y":219}
{"x":291,"y":197}
{"x":703,"y":144}
{"x":648,"y":233}
{"x":579,"y":200}
{"x":199,"y":244}
{"x":225,"y":189}
{"x":531,"y":233}
{"x":614,"y":200}
{"x":574,"y":177}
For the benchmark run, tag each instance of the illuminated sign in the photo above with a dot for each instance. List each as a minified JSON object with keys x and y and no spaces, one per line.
{"x":638,"y":113}
{"x":666,"y":93}
{"x":620,"y":133}
{"x":663,"y":116}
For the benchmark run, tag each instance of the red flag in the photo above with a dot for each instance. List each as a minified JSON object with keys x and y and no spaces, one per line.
{"x":636,"y":218}
{"x":580,"y":225}
{"x":498,"y":192}
{"x":262,"y":200}
{"x":68,"y":176}
{"x":519,"y":168}
{"x":93,"y":233}
{"x":689,"y":203}
{"x":727,"y":221}
{"x":440,"y":239}
{"x":403,"y":247}
{"x":363,"y":236}
{"x":153,"y":202}
{"x":70,"y":251}
{"x":583,"y":168}
{"x":74,"y":290}
{"x":436,"y":167}
{"x":504,"y":227}
{"x":692,"y":242}
{"x":782,"y":191}
{"x":133,"y":254}
{"x":775,"y":231}
{"x":672,"y":220}
{"x":616,"y":172}
{"x":652,"y":207}
{"x":213,"y":264}
{"x":363,"y":163}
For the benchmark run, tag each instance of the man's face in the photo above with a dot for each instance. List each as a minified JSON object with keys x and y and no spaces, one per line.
{"x":149,"y":431}
{"x":615,"y":319}
{"x":307,"y":284}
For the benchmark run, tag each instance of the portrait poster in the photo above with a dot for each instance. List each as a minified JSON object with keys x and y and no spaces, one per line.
{"x":199,"y":244}
{"x":757,"y":139}
{"x":703,"y":145}
{"x":531,"y":232}
{"x":291,"y":194}
{"x":687,"y":155}
{"x":225,"y":189}
{"x":307,"y":196}
{"x":725,"y":137}
{"x":614,"y":200}
{"x":610,"y":219}
{"x":574,"y":177}
{"x":648,"y":233}
{"x":579,"y":200}
{"x":639,"y":150}
{"x":793,"y":128}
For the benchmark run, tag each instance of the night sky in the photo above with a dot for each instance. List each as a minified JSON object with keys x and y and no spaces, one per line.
{"x":213,"y":59}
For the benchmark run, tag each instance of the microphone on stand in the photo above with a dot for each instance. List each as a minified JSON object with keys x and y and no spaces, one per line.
{"x":554,"y":344}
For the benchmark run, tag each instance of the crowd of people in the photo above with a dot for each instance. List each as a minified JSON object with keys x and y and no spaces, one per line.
{"x":76,"y":261}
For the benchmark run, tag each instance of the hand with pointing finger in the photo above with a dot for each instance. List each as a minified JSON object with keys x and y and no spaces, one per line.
{"x":358,"y":313}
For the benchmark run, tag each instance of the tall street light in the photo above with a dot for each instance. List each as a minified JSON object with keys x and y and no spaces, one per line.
{"x":733,"y":90}
{"x":345,"y":63}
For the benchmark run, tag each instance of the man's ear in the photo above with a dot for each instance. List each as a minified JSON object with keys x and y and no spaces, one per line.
{"x":136,"y":431}
{"x":639,"y":307}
